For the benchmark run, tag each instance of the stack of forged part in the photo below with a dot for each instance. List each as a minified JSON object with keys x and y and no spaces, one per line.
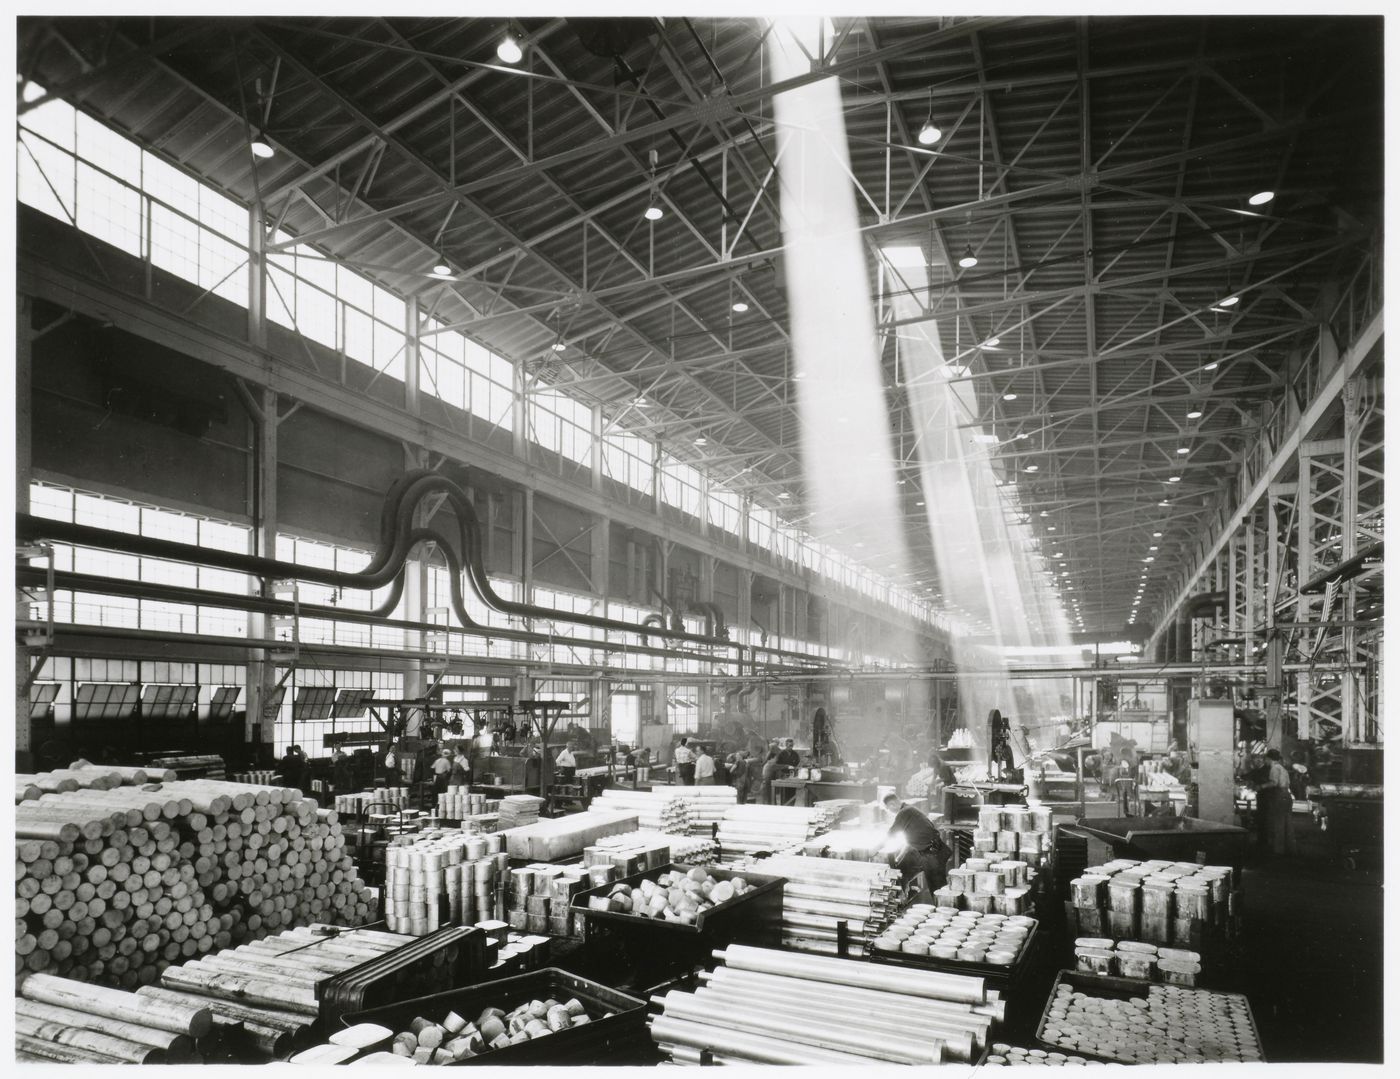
{"x":770,"y":1007}
{"x":821,"y":893}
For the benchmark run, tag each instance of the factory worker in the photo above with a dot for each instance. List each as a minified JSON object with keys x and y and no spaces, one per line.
{"x":787,"y":756}
{"x":921,"y":849}
{"x":1275,"y":805}
{"x":461,"y":774}
{"x":704,"y":769}
{"x":341,"y":774}
{"x":442,"y":768}
{"x":391,"y":765}
{"x":683,"y":757}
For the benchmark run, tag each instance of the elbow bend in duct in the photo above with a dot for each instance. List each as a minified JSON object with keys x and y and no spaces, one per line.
{"x":1200,"y":606}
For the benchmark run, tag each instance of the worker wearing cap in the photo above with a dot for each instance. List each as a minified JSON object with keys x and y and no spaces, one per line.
{"x":683,"y":757}
{"x":922,"y":850}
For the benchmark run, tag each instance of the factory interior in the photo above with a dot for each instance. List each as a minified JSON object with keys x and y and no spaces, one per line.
{"x":675,"y":541}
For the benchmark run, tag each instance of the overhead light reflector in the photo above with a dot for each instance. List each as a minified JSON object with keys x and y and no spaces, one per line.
{"x":1260,"y":198}
{"x":508,"y":51}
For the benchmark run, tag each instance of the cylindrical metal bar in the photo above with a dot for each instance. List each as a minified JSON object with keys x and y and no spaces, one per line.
{"x":920,"y":983}
{"x":761,"y":1049}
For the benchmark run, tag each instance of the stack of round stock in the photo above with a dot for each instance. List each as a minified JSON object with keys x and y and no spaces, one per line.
{"x":113,"y":885}
{"x":440,"y":878}
{"x":770,"y":1007}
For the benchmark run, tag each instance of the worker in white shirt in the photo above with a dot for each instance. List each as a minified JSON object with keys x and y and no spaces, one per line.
{"x":704,"y":769}
{"x":683,"y":757}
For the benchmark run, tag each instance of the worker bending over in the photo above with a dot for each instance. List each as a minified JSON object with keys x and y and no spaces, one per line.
{"x":921,"y":850}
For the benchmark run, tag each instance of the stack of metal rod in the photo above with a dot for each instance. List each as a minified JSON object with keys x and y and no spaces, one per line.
{"x":62,"y":1021}
{"x":199,"y":766}
{"x":771,"y":1007}
{"x":264,"y":776}
{"x":269,"y":989}
{"x":748,"y":829}
{"x":118,"y":883}
{"x":359,"y":802}
{"x":81,"y":775}
{"x":822,"y":892}
{"x":437,"y":878}
{"x":707,"y":806}
{"x":660,"y":809}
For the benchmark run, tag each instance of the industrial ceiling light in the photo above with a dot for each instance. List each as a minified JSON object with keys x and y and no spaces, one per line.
{"x":1149,"y":558}
{"x":653,"y":212}
{"x":1211,"y":366}
{"x":640,"y":401}
{"x":991,"y":342}
{"x":1022,"y":436}
{"x":509,"y":51}
{"x":1156,"y":535}
{"x":261,"y":147}
{"x":1152,"y":548}
{"x":701,"y":440}
{"x":1194,"y":414}
{"x":1032,"y":468}
{"x":968,"y":259}
{"x":558,"y":345}
{"x":1173,"y":479}
{"x":740,"y":306}
{"x":1228,"y":301}
{"x":918,"y":503}
{"x":1181,"y":450}
{"x":785,"y":496}
{"x":442,"y":269}
{"x":1008,"y":397}
{"x":1261,"y":198}
{"x":930,"y":133}
{"x":1164,"y":502}
{"x":1045,"y":513}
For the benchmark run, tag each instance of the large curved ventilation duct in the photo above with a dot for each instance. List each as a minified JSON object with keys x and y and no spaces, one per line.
{"x":398,"y":537}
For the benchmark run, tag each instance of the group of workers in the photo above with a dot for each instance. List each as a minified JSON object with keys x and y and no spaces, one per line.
{"x":751,"y":778}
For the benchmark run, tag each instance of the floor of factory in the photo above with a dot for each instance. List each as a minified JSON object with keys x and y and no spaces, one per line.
{"x":1309,"y":956}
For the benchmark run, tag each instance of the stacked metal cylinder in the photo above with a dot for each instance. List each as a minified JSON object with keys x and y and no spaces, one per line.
{"x":770,"y":1007}
{"x":359,"y":802}
{"x":538,"y":897}
{"x":748,"y":829}
{"x":459,"y":804}
{"x":821,"y":892}
{"x":264,"y":776}
{"x":1157,"y":901}
{"x":442,"y":878}
{"x":988,"y":887}
{"x":658,"y":810}
{"x":619,"y":849}
{"x":116,"y":882}
{"x":1020,"y":833}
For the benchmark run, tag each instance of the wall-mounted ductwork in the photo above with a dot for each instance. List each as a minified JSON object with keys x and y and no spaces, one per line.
{"x":397,"y":539}
{"x":1202,"y":606}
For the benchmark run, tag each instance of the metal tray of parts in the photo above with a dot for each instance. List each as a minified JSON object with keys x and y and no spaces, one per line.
{"x":1104,"y":985}
{"x":998,"y":977}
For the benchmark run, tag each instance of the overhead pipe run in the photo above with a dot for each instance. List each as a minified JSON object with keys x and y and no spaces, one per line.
{"x":397,"y":537}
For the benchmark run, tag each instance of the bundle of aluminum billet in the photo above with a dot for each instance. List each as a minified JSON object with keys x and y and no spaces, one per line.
{"x":81,"y":775}
{"x":822,"y":892}
{"x":437,"y":878}
{"x":264,"y":994}
{"x":58,"y":1020}
{"x":195,"y":766}
{"x":115,"y":884}
{"x":707,"y":806}
{"x":748,"y":829}
{"x":763,"y":1006}
{"x":658,"y":810}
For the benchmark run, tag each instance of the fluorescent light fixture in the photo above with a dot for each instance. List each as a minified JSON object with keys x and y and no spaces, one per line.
{"x":509,"y":51}
{"x":1261,"y":198}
